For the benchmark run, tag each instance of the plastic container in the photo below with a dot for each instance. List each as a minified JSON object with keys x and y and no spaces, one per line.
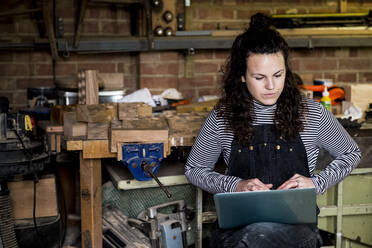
{"x":326,"y":100}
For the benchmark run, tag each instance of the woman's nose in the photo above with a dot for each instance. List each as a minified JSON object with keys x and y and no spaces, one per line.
{"x":269,"y":84}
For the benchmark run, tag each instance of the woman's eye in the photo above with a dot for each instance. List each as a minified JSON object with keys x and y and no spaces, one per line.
{"x":278,"y":75}
{"x":259,"y":78}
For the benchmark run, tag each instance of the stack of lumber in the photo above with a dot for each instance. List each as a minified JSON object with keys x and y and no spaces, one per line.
{"x":184,"y":127}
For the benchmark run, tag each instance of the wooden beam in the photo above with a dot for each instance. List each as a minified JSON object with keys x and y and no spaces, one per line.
{"x":79,"y":25}
{"x":97,"y":149}
{"x":47,"y":15}
{"x":74,"y":145}
{"x":91,"y":202}
{"x":343,"y":6}
{"x":18,"y":12}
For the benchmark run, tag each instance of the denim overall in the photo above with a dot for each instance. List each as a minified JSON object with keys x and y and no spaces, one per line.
{"x":271,"y":159}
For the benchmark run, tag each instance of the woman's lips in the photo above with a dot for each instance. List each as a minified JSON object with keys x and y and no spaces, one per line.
{"x":269,"y":95}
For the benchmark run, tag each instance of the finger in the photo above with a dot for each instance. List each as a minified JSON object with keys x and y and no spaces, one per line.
{"x":295,"y":176}
{"x":290,"y":184}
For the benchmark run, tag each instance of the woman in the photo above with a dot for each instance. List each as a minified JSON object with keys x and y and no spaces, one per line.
{"x":269,"y":136}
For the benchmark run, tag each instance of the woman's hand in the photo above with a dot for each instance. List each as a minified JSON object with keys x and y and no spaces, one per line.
{"x":297,"y":182}
{"x":252,"y":185}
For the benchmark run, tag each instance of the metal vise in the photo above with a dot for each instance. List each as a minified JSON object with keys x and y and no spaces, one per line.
{"x":143,"y":161}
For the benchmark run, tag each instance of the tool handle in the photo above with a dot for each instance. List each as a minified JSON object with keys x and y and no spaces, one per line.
{"x":147,"y":168}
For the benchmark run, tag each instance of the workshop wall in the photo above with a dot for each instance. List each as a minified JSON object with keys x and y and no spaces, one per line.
{"x":157,"y":71}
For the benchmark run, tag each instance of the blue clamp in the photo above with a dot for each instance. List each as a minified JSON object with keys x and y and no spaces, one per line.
{"x":135,"y":156}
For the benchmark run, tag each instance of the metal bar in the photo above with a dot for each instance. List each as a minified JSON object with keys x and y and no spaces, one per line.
{"x":357,"y":209}
{"x":166,"y":180}
{"x":339,"y":214}
{"x":199,"y":218}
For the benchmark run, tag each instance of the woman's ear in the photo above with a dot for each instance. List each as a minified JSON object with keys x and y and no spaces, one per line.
{"x":243,"y":79}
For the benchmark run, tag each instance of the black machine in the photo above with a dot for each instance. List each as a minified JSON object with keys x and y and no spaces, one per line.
{"x":20,"y":155}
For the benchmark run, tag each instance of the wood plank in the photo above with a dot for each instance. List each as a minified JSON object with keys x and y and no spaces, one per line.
{"x":136,"y":136}
{"x":52,"y":142}
{"x":74,"y":145}
{"x":97,"y":149}
{"x":54,"y":129}
{"x":79,"y":26}
{"x":71,"y":127}
{"x":22,"y":197}
{"x":91,"y":90}
{"x":91,"y":202}
{"x":326,"y":31}
{"x":58,"y":143}
{"x":133,"y":110}
{"x":47,"y":16}
{"x":96,"y":112}
{"x":343,"y":6}
{"x":152,"y":123}
{"x":97,"y":131}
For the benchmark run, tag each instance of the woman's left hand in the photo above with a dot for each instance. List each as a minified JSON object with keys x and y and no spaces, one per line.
{"x":297,"y":182}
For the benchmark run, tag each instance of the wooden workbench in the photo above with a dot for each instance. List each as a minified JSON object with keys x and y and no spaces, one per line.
{"x":91,"y":153}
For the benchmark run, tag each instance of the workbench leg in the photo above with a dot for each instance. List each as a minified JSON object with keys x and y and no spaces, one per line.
{"x":91,"y":202}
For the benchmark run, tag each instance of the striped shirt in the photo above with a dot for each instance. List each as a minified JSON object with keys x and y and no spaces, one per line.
{"x":321,"y":131}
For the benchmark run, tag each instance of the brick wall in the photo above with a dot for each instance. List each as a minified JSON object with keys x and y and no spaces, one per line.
{"x":194,"y":76}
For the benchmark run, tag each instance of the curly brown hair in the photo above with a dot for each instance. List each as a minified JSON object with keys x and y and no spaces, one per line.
{"x":236,"y":104}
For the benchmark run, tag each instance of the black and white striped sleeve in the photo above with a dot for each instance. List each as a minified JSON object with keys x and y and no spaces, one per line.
{"x":335,"y":139}
{"x":199,"y":168}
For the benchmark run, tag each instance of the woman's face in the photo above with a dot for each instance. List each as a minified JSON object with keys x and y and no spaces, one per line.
{"x":265,"y":77}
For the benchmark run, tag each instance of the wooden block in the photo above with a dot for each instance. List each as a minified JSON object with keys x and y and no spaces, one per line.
{"x":111,"y":81}
{"x":116,"y":124}
{"x":197,"y":107}
{"x":146,"y":123}
{"x":96,"y":112}
{"x":91,"y":87}
{"x":22,"y":196}
{"x":74,"y":145}
{"x":54,"y":129}
{"x":52,"y":142}
{"x":97,"y":149}
{"x":136,"y":136}
{"x":58,"y":143}
{"x":71,"y":127}
{"x":133,"y":110}
{"x":97,"y":130}
{"x":56,"y":113}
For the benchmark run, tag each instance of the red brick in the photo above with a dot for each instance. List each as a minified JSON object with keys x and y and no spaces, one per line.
{"x":330,"y":52}
{"x":25,"y":83}
{"x":7,"y":84}
{"x":365,"y":77}
{"x":206,"y":92}
{"x":355,"y":64}
{"x":294,"y":64}
{"x":93,"y":12}
{"x":198,"y":81}
{"x":20,"y":97}
{"x":14,"y":69}
{"x":347,"y":77}
{"x":227,"y":13}
{"x":318,"y":64}
{"x":221,"y":54}
{"x":35,"y":56}
{"x":164,"y":68}
{"x":245,"y":14}
{"x":149,"y":57}
{"x":66,"y":13}
{"x":8,"y":94}
{"x":189,"y":93}
{"x":202,"y":55}
{"x":42,"y":70}
{"x":205,"y":67}
{"x":90,"y":27}
{"x":66,"y":69}
{"x":130,"y":82}
{"x":167,"y":56}
{"x":307,"y":53}
{"x":353,"y":52}
{"x":124,"y":14}
{"x":210,"y":26}
{"x":68,"y":28}
{"x":158,"y":83}
{"x":103,"y":68}
{"x":331,"y":76}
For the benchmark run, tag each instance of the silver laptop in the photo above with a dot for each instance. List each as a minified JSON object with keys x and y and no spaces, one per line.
{"x":291,"y":206}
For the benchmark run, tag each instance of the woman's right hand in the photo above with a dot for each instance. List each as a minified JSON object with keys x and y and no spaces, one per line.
{"x":252,"y":185}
